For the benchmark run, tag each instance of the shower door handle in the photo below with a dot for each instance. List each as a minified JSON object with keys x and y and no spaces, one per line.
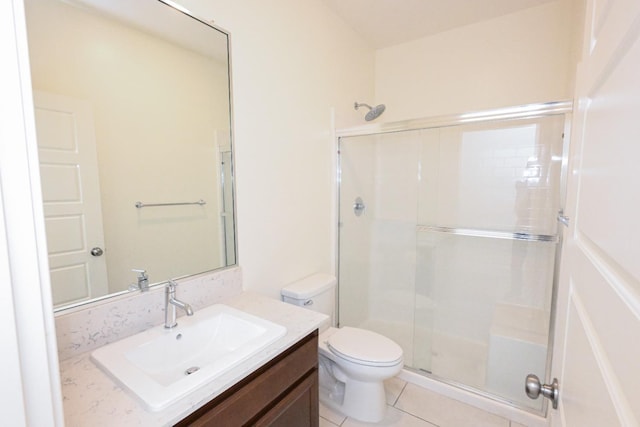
{"x":358,"y":206}
{"x":563,"y":219}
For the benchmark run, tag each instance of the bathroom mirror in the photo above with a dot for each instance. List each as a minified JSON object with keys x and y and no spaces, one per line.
{"x":132,"y":107}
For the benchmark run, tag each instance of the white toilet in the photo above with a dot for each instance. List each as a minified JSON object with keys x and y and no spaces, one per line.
{"x":353,"y":362}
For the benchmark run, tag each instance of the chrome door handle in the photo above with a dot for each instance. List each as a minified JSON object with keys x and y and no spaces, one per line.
{"x":533,"y":388}
{"x":358,"y":206}
{"x":97,"y":251}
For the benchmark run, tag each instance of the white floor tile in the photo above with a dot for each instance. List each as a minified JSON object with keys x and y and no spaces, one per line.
{"x":331,"y":415}
{"x":393,"y":418}
{"x":443,"y":411}
{"x":393,"y":387}
{"x":327,"y":423}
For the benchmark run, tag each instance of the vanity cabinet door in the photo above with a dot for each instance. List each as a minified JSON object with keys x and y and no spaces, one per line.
{"x":299,"y":408}
{"x":284,"y":392}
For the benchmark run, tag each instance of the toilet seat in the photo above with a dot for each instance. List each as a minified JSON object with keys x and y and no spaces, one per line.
{"x":364,"y":347}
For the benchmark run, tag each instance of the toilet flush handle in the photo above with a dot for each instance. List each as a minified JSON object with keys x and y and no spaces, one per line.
{"x":308,"y":302}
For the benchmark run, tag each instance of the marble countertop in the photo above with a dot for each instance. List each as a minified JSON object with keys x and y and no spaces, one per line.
{"x":91,"y":398}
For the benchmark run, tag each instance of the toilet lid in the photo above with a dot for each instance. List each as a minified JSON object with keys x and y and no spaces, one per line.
{"x":364,"y":347}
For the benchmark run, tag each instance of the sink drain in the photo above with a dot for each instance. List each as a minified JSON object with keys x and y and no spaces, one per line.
{"x":191,"y":370}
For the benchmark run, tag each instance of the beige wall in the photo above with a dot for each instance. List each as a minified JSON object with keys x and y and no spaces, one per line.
{"x":293,"y":63}
{"x":297,"y":69}
{"x":155,"y":135}
{"x":516,"y":59}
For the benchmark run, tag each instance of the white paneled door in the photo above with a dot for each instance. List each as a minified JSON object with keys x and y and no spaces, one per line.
{"x":597,"y":341}
{"x":70,"y":189}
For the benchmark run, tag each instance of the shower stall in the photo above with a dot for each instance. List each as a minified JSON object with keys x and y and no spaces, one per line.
{"x":448,"y":241}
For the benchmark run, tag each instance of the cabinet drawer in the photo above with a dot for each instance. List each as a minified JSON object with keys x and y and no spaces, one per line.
{"x":257,"y":394}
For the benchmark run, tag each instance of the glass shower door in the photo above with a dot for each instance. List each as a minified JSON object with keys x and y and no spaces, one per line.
{"x":486,"y":242}
{"x":377,"y":242}
{"x":447,"y":243}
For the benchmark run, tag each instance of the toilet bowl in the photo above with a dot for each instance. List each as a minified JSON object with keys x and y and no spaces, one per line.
{"x":353,"y":362}
{"x":353,"y":366}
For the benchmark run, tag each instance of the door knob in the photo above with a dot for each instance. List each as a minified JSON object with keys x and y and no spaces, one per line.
{"x":533,"y":388}
{"x":358,"y":206}
{"x":97,"y":251}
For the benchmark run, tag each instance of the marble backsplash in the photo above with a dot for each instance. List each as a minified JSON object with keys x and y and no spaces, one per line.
{"x":84,"y":329}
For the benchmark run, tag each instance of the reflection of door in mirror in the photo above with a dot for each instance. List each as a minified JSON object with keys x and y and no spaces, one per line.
{"x":71,"y":202}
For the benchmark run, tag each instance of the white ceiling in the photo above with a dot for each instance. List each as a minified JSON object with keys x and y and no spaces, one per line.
{"x":385,"y":23}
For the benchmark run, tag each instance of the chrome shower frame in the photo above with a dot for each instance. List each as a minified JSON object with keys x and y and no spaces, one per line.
{"x":528,"y":111}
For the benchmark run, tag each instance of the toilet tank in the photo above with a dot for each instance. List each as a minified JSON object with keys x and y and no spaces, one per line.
{"x":316,"y":292}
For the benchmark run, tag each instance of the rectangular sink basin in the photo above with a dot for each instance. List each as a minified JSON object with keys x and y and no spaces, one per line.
{"x":162,"y":365}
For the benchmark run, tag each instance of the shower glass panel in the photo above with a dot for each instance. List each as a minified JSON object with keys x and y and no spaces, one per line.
{"x":453,"y":253}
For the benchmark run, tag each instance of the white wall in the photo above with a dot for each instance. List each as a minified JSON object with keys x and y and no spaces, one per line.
{"x":30,"y":389}
{"x":516,"y":59}
{"x":292,"y":63}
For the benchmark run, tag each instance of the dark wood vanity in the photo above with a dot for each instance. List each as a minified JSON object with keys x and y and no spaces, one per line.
{"x":282,"y":393}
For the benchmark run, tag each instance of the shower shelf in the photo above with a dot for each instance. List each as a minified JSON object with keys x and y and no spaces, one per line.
{"x":488,"y":233}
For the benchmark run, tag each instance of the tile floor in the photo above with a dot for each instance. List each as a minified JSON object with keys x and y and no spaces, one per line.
{"x":412,"y":406}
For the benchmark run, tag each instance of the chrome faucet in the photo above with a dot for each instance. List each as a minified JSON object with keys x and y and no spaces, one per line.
{"x":143,"y":281}
{"x":170,"y":304}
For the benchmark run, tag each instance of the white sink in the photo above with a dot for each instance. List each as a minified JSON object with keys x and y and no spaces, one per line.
{"x":160,"y":366}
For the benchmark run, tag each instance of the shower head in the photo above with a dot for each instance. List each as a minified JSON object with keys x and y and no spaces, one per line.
{"x":374,"y":112}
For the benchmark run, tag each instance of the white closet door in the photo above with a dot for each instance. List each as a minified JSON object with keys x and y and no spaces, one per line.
{"x":597,"y":349}
{"x":71,"y":193}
